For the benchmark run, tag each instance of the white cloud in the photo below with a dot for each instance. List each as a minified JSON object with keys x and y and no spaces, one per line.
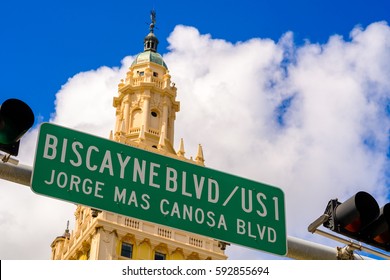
{"x":329,"y":140}
{"x":309,"y":119}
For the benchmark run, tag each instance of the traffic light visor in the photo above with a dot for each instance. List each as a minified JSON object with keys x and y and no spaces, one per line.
{"x":380,"y":229}
{"x":357,"y":212}
{"x":16,"y":117}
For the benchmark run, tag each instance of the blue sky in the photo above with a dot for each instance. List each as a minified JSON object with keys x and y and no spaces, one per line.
{"x":298,"y":89}
{"x":46,"y":42}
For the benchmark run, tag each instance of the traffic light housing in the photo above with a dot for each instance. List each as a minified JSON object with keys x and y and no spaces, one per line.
{"x":16,"y":117}
{"x":360,"y":218}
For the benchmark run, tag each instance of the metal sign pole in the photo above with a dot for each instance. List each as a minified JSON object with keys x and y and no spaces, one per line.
{"x":20,"y":174}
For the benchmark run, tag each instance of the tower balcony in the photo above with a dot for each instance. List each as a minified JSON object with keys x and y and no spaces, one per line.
{"x":121,"y":226}
{"x":139,"y":81}
{"x":148,"y":140}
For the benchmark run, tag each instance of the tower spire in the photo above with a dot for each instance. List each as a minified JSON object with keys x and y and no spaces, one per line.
{"x":66,"y":233}
{"x":153,"y":20}
{"x":181,"y":151}
{"x":151,"y":41}
{"x":199,"y":157}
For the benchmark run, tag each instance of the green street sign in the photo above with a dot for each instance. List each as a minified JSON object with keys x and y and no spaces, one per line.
{"x":107,"y":175}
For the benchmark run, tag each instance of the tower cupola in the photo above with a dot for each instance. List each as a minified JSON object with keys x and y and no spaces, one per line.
{"x":150,"y":53}
{"x":146,"y":104}
{"x":151,"y":41}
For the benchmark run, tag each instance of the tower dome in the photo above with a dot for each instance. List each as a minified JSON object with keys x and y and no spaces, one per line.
{"x":149,"y":56}
{"x":150,"y":53}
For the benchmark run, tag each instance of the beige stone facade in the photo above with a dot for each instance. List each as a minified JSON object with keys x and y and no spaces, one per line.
{"x":104,"y":236}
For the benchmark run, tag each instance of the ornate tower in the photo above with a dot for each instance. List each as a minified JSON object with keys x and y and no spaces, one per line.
{"x":146,"y":106}
{"x":146,"y":109}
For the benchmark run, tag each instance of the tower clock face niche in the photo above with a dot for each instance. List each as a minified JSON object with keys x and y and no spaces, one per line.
{"x":154,"y":119}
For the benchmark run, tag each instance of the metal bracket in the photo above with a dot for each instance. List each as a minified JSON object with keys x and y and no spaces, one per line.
{"x":346,"y":252}
{"x":7,"y":158}
{"x":318,"y":222}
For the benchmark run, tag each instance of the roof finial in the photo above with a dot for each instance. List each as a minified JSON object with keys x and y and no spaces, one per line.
{"x":199,"y":157}
{"x":153,"y":19}
{"x":66,"y":233}
{"x":151,"y":41}
{"x":181,"y":151}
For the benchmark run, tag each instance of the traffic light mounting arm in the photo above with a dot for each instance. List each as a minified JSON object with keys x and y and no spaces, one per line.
{"x":358,"y":218}
{"x":350,"y":244}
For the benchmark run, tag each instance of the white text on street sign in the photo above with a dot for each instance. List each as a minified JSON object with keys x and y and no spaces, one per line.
{"x":103,"y":174}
